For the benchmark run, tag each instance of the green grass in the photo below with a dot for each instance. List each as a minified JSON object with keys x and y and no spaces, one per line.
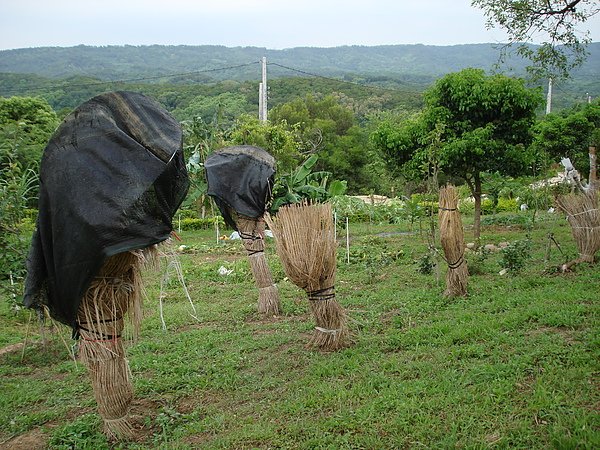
{"x":513,"y":365}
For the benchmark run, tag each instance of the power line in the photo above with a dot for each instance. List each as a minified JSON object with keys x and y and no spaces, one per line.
{"x":337,"y":80}
{"x":126,"y":80}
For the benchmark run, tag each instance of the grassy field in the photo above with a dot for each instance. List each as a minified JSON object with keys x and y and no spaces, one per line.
{"x":513,"y":365}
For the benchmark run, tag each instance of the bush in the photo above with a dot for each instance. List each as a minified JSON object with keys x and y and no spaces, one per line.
{"x":189,"y":224}
{"x":516,"y":255}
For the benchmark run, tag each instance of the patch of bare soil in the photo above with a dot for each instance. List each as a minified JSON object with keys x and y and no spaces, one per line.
{"x":32,"y":440}
{"x":12,"y":348}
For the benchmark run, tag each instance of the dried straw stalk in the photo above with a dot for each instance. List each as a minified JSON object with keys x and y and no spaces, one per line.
{"x":114,"y":292}
{"x":583,"y":216}
{"x":452,"y":239}
{"x":252,"y":232}
{"x":304,"y":236}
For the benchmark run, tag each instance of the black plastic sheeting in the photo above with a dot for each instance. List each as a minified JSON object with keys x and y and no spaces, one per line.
{"x":111,"y":178}
{"x":241,"y":178}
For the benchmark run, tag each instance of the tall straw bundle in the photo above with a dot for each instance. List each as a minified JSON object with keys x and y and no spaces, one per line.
{"x":252,"y":232}
{"x":452,"y":239}
{"x":583,"y":216}
{"x":114,"y":292}
{"x":304,"y":235}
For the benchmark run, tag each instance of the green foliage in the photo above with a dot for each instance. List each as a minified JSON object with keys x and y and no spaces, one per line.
{"x":188,"y":224}
{"x":375,"y":255}
{"x":223,"y":108}
{"x":568,"y":134}
{"x":81,"y":433}
{"x":16,"y":225}
{"x":277,"y":139}
{"x":559,"y":23}
{"x":304,"y":184}
{"x":472,"y":123}
{"x":516,"y":255}
{"x":26,"y":124}
{"x":327,"y":127}
{"x":519,"y":220}
{"x":425,"y":264}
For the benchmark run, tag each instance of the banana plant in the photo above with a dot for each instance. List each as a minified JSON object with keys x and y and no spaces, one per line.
{"x":304,"y":184}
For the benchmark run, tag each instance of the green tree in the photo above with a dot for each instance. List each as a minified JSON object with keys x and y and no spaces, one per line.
{"x":282,"y":142}
{"x":26,"y":124}
{"x":558,"y":22}
{"x":568,"y":134}
{"x":330,"y":130}
{"x":472,"y":123}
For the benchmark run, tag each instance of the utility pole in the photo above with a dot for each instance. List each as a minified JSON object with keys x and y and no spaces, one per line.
{"x":549,"y":97}
{"x":262,"y":93}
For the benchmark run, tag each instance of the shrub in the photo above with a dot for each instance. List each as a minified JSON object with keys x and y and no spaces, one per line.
{"x":189,"y":224}
{"x":516,"y":255}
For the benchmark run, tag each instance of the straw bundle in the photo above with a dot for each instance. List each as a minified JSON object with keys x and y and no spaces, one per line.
{"x":452,"y":239}
{"x":114,"y":292}
{"x":306,"y":246}
{"x":252,"y":232}
{"x":583,"y":216}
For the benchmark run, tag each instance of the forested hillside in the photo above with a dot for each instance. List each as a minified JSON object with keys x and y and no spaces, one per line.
{"x":392,"y":74}
{"x":119,"y":62}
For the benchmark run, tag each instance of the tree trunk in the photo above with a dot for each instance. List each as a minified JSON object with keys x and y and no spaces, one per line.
{"x":475,"y":187}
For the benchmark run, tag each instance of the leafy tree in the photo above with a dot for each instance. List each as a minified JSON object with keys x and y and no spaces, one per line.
{"x":557,"y":21}
{"x":281,"y":141}
{"x":569,"y":134}
{"x":330,"y":130}
{"x":26,"y":124}
{"x":472,"y":123}
{"x":223,"y":108}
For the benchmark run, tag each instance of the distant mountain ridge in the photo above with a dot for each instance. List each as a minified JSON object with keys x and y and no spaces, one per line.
{"x":210,"y":61}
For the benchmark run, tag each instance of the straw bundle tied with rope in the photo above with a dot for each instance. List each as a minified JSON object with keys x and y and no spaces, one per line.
{"x":252,"y":232}
{"x":115,"y":293}
{"x":452,"y":239}
{"x":584,"y":217}
{"x":304,"y":236}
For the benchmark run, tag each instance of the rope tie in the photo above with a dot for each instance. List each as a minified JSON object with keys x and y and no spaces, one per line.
{"x":326,"y":331}
{"x":447,"y":209}
{"x":250,"y":237}
{"x":458,"y":263}
{"x":103,"y":337}
{"x":582,"y":212}
{"x":254,"y":252}
{"x":322,"y":294}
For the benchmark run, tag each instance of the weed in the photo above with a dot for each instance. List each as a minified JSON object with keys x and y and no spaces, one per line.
{"x":515,"y":255}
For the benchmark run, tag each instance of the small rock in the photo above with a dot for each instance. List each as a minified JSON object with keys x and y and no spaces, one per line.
{"x":503,"y":272}
{"x":491,"y":248}
{"x":471,"y":245}
{"x":503,"y":244}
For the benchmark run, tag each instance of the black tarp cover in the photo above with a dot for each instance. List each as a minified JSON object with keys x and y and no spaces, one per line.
{"x":111,"y":178}
{"x":241,"y":178}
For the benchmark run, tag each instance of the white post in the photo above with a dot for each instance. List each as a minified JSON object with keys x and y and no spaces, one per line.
{"x":347,"y":242}
{"x":549,"y":97}
{"x":260,"y":102}
{"x":335,"y":226}
{"x":264,"y":90}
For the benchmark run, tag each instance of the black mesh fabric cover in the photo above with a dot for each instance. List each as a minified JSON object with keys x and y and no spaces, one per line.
{"x":241,"y":178}
{"x":111,"y":178}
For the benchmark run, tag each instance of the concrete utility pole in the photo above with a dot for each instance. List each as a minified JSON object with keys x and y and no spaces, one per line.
{"x":262,"y":93}
{"x":549,"y":97}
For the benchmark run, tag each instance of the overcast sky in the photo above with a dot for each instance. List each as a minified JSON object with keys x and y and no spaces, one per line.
{"x":274,"y":24}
